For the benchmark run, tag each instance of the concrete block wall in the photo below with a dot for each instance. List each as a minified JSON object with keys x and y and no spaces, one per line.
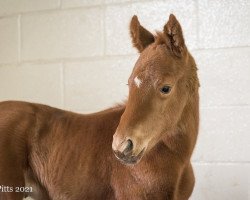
{"x":77,"y":55}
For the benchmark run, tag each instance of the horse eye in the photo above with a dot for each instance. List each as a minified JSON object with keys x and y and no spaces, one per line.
{"x":166,"y":89}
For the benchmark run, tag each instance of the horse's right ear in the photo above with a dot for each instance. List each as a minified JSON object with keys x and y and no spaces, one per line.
{"x":141,"y":37}
{"x":173,"y":31}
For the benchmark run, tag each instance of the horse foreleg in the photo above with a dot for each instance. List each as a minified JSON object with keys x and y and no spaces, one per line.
{"x":11,"y":169}
{"x":11,"y":178}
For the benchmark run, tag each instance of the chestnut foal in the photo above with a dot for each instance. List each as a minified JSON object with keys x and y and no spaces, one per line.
{"x":61,"y":155}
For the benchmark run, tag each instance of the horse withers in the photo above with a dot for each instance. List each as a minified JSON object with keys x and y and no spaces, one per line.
{"x":137,"y":150}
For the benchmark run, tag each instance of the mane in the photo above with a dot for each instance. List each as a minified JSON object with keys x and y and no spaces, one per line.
{"x":119,"y":105}
{"x":161,"y":38}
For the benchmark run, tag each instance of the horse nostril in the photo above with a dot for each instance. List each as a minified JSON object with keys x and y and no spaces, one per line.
{"x":128,"y":148}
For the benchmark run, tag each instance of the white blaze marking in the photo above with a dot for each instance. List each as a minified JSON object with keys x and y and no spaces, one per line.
{"x":137,"y":81}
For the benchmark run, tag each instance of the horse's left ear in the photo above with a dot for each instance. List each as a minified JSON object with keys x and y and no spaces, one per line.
{"x":141,"y":37}
{"x":173,"y":31}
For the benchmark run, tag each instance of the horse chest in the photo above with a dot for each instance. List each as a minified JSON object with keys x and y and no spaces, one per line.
{"x":142,"y":182}
{"x":150,"y":179}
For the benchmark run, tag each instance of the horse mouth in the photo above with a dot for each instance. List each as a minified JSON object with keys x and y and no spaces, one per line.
{"x":129,"y":159}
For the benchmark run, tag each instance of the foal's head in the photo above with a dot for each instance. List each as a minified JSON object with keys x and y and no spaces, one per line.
{"x":159,"y":87}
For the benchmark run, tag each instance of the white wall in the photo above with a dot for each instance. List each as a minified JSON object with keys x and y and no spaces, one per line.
{"x":77,"y":55}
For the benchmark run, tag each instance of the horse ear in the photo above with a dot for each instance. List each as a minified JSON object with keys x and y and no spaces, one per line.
{"x":141,"y":37}
{"x":173,"y":31}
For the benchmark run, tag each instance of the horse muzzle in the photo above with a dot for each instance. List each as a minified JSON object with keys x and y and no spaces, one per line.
{"x":124,"y":152}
